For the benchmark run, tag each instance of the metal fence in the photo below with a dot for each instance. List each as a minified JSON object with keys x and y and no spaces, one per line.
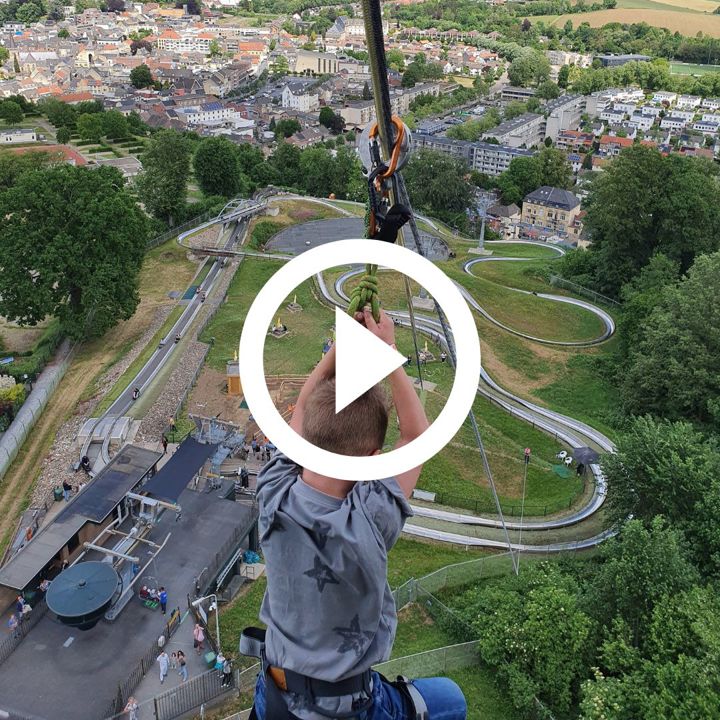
{"x":597,"y":297}
{"x":126,"y":688}
{"x":175,"y":231}
{"x":432,"y":662}
{"x":488,"y":507}
{"x":8,"y":645}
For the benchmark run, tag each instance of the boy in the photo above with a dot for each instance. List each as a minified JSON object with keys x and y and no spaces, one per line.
{"x":329,"y":611}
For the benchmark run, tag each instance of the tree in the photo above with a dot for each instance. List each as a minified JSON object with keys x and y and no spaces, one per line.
{"x":366,"y":94}
{"x":115,"y":124}
{"x":286,"y":160}
{"x":533,"y":632}
{"x":279,"y":66}
{"x":4,"y":55}
{"x":436,"y":184}
{"x":640,"y":566}
{"x":287,"y":127}
{"x":645,"y":203}
{"x":63,"y":33}
{"x":135,"y":124}
{"x":11,"y":112}
{"x":214,"y":49}
{"x":531,"y":66}
{"x":547,"y":90}
{"x":563,"y":76}
{"x":395,"y":59}
{"x":163,"y":183}
{"x":16,"y":64}
{"x":673,"y":369}
{"x":63,"y":135}
{"x":317,"y":171}
{"x":217,"y":167}
{"x":115,"y":6}
{"x":555,"y":170}
{"x":29,"y":13}
{"x":141,"y":77}
{"x":90,"y":126}
{"x":514,"y":109}
{"x":73,"y":243}
{"x":522,"y":177}
{"x":335,"y":123}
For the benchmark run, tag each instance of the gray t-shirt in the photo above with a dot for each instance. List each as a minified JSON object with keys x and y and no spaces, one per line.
{"x":328,"y":607}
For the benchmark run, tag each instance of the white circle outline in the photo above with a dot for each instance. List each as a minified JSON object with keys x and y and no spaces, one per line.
{"x":252,"y":366}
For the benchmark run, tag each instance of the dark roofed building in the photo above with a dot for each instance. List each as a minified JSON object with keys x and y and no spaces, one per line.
{"x":615,"y":60}
{"x":552,"y":210}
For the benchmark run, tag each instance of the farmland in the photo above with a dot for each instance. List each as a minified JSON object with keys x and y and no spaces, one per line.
{"x":685,"y":16}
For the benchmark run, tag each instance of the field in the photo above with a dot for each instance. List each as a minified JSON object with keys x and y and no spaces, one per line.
{"x":678,"y":68}
{"x":688,"y":17}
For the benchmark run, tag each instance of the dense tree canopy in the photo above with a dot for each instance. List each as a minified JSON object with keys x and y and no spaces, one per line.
{"x":645,"y":203}
{"x":90,"y":126}
{"x":162,"y":185}
{"x":217,"y":167}
{"x":141,"y":76}
{"x":437,"y":184}
{"x":673,"y":369}
{"x":525,"y":174}
{"x":72,"y":242}
{"x":11,"y":112}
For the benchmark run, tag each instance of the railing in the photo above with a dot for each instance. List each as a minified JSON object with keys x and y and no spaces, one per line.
{"x":8,"y":645}
{"x":432,"y":662}
{"x":597,"y":297}
{"x":487,"y":507}
{"x":126,"y":688}
{"x":175,"y":231}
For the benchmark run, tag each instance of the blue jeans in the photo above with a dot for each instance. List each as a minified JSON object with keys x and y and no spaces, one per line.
{"x":444,"y":699}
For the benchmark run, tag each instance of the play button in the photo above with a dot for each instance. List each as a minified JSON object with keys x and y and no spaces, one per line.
{"x":362,"y":360}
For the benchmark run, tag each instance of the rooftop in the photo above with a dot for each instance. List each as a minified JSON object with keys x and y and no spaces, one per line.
{"x":553,"y":197}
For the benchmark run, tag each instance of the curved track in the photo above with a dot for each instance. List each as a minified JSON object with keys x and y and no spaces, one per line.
{"x":573,"y":432}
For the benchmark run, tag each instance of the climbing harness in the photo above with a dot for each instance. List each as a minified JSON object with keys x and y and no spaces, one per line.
{"x":279,"y":680}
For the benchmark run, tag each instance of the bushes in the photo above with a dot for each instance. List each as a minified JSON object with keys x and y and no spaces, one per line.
{"x":263,"y":231}
{"x":32,"y":363}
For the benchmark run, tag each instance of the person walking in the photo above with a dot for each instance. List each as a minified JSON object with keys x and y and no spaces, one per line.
{"x":227,"y":672}
{"x":164,"y":662}
{"x":67,"y":489}
{"x":173,"y":661}
{"x":14,"y":625}
{"x":164,"y":444}
{"x":131,"y":708}
{"x":182,"y":663}
{"x":198,"y":638}
{"x":219,"y":662}
{"x":163,"y":600}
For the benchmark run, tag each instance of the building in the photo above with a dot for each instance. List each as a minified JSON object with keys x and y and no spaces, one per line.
{"x":491,"y":159}
{"x":664,"y":97}
{"x":615,"y":60}
{"x":574,"y":140}
{"x":13,"y":136}
{"x":673,"y":122}
{"x":316,"y":63}
{"x":509,"y":92}
{"x":487,"y":158}
{"x":688,"y":101}
{"x":526,"y":130}
{"x":640,"y":121}
{"x":297,"y":96}
{"x":706,"y":128}
{"x":551,"y":209}
{"x":612,"y":146}
{"x":563,"y":113}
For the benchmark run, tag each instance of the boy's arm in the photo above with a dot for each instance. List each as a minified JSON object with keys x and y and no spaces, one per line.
{"x":324,"y":370}
{"x":410,"y":412}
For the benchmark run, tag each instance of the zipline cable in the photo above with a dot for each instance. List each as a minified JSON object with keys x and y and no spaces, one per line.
{"x":397,"y":193}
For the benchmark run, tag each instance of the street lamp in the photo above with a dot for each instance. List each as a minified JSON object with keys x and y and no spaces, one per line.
{"x":27,"y":380}
{"x":213,"y":606}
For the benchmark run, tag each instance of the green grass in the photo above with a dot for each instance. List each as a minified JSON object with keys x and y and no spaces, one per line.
{"x":417,"y":632}
{"x":415,"y":559}
{"x":678,"y":68}
{"x":485,"y":700}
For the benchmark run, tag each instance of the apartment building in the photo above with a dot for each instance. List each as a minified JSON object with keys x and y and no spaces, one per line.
{"x":563,"y":113}
{"x":316,"y":63}
{"x":297,"y":96}
{"x":574,"y":140}
{"x":674,"y":122}
{"x":509,"y":92}
{"x":13,"y":136}
{"x":526,"y":130}
{"x":611,"y":146}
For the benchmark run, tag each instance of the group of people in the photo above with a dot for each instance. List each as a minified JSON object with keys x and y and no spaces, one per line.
{"x":22,"y":611}
{"x":159,"y":596}
{"x":176,"y":661}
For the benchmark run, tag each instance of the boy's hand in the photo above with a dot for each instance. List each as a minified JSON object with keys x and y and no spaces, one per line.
{"x":385,"y":329}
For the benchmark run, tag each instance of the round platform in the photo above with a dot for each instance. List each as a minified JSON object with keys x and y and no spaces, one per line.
{"x":80,"y":595}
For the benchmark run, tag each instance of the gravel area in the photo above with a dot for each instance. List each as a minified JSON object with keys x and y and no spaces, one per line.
{"x":176,"y":388}
{"x":57,"y":465}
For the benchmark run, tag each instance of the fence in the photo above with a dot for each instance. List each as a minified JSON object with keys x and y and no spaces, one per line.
{"x":32,"y":408}
{"x":600,"y":299}
{"x":8,"y":645}
{"x":488,"y":507}
{"x":175,"y":231}
{"x":126,"y":688}
{"x":432,"y":662}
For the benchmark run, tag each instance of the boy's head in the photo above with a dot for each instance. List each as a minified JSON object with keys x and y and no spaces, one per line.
{"x":359,"y":429}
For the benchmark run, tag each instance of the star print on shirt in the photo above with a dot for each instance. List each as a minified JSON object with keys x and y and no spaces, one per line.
{"x":353,"y":637}
{"x":321,"y":531}
{"x":322,"y":574}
